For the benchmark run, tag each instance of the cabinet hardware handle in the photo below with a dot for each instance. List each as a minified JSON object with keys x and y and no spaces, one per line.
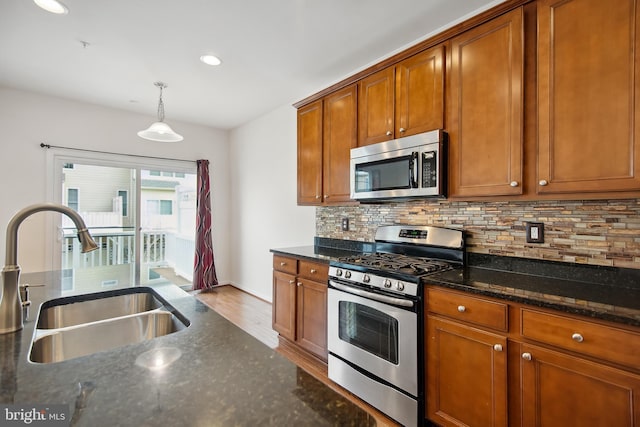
{"x":497,"y":347}
{"x":462,"y":308}
{"x":402,"y":130}
{"x":577,"y":337}
{"x":389,"y":133}
{"x":313,"y":271}
{"x":282,"y":264}
{"x":292,"y":282}
{"x":543,"y":182}
{"x":514,"y":183}
{"x":326,"y":196}
{"x":299,"y":283}
{"x":527,"y":356}
{"x":317,"y":197}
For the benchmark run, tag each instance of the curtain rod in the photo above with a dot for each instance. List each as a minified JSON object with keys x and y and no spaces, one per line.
{"x":47,"y":146}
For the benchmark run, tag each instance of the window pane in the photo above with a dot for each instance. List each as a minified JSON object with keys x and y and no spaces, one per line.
{"x":166,"y":207}
{"x":72,"y":198}
{"x":125,"y":202}
{"x":153,"y":207}
{"x":154,"y":173}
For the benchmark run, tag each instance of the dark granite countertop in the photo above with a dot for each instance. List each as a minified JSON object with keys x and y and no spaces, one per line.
{"x":313,"y":253}
{"x":595,"y":291}
{"x":601,"y":292}
{"x":223,"y":377}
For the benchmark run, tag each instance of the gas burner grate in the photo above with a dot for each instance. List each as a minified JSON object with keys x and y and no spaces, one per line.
{"x":415,"y":266}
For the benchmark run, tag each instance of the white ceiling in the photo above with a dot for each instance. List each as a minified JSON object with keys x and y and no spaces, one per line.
{"x":274,"y":52}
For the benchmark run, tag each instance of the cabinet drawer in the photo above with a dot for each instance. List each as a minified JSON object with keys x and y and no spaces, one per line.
{"x":585,"y":337}
{"x":480,"y":311}
{"x":285,"y":264}
{"x":318,"y":272}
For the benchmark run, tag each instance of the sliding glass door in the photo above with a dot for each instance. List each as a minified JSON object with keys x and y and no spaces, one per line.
{"x":141,"y":213}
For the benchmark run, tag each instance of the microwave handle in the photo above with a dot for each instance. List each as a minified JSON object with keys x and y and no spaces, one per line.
{"x":413,"y":170}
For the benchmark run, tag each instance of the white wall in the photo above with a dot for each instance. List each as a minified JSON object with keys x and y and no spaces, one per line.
{"x":27,"y":119}
{"x":263,"y":201}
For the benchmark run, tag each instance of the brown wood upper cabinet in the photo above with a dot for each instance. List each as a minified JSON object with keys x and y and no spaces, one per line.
{"x":326,"y":134}
{"x":310,"y":154}
{"x":485,"y":109}
{"x":403,"y":99}
{"x":588,"y":111}
{"x":340,"y":124}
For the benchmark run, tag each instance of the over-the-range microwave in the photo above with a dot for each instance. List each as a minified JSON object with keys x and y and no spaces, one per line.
{"x":413,"y":166}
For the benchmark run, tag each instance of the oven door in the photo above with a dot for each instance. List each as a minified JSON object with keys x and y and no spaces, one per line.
{"x":376,"y":337}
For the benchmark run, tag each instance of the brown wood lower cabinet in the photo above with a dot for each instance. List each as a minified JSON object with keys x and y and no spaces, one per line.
{"x":466,"y":375}
{"x":300,"y":303}
{"x":528,"y":366}
{"x":564,"y":390}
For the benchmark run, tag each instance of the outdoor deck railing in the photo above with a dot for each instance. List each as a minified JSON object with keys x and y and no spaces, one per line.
{"x":117,"y":246}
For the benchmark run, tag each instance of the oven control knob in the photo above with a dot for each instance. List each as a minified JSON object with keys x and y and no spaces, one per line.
{"x":400,"y":286}
{"x":387,"y":283}
{"x":366,"y":278}
{"x":338,"y":272}
{"x":347,"y":274}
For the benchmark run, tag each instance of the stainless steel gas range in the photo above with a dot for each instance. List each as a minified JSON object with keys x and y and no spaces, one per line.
{"x":376,"y":319}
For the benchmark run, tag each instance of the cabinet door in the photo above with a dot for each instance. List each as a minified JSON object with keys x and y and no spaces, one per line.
{"x":312,"y":317}
{"x":376,"y":107}
{"x":563,"y":390}
{"x":284,"y":304}
{"x":486,"y":108}
{"x":420,"y":93}
{"x":466,"y":375}
{"x":310,"y":154}
{"x":340,"y":124}
{"x":588,"y":96}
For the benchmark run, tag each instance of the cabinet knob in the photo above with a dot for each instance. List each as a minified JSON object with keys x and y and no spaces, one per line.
{"x":282,"y":264}
{"x":326,"y":196}
{"x":514,"y":183}
{"x":543,"y":182}
{"x":462,"y":308}
{"x":313,"y":271}
{"x":291,"y":282}
{"x":497,"y":347}
{"x":402,"y":130}
{"x":317,"y":197}
{"x":299,"y":283}
{"x":577,"y":337}
{"x":389,"y":133}
{"x":527,"y":356}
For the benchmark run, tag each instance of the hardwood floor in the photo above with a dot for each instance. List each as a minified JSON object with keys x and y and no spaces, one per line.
{"x":253,"y":315}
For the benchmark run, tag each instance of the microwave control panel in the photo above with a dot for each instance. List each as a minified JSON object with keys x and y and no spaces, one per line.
{"x":429,"y":169}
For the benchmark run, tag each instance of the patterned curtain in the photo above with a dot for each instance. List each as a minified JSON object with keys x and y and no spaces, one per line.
{"x":204,"y":272}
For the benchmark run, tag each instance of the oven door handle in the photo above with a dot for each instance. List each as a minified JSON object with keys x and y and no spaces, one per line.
{"x":376,"y":297}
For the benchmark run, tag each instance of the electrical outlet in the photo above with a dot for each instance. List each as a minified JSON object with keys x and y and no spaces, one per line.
{"x":535,"y":232}
{"x":345,"y":224}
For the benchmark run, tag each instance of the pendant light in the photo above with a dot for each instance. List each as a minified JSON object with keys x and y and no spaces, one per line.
{"x":160,"y":131}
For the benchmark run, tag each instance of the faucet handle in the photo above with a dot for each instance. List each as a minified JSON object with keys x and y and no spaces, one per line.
{"x":24,"y":295}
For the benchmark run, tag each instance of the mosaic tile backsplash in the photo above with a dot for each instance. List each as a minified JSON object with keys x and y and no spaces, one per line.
{"x":600,"y":232}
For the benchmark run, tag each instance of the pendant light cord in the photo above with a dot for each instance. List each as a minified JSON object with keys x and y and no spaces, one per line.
{"x":160,"y":103}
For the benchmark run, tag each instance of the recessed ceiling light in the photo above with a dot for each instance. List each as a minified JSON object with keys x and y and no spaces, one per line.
{"x":210,"y":60}
{"x":53,"y":6}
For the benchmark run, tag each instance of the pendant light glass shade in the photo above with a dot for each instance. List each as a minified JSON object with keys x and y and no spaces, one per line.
{"x":160,"y":131}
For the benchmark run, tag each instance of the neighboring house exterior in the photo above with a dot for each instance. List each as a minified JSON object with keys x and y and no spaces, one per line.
{"x":105,"y":197}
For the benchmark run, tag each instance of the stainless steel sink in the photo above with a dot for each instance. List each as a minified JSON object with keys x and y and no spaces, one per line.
{"x":82,"y":325}
{"x":63,"y":312}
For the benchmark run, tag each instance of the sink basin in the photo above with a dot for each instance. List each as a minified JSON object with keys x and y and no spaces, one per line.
{"x":64,"y":312}
{"x":82,"y":325}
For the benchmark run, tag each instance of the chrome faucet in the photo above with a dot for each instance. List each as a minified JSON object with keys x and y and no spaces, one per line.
{"x":10,"y":302}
